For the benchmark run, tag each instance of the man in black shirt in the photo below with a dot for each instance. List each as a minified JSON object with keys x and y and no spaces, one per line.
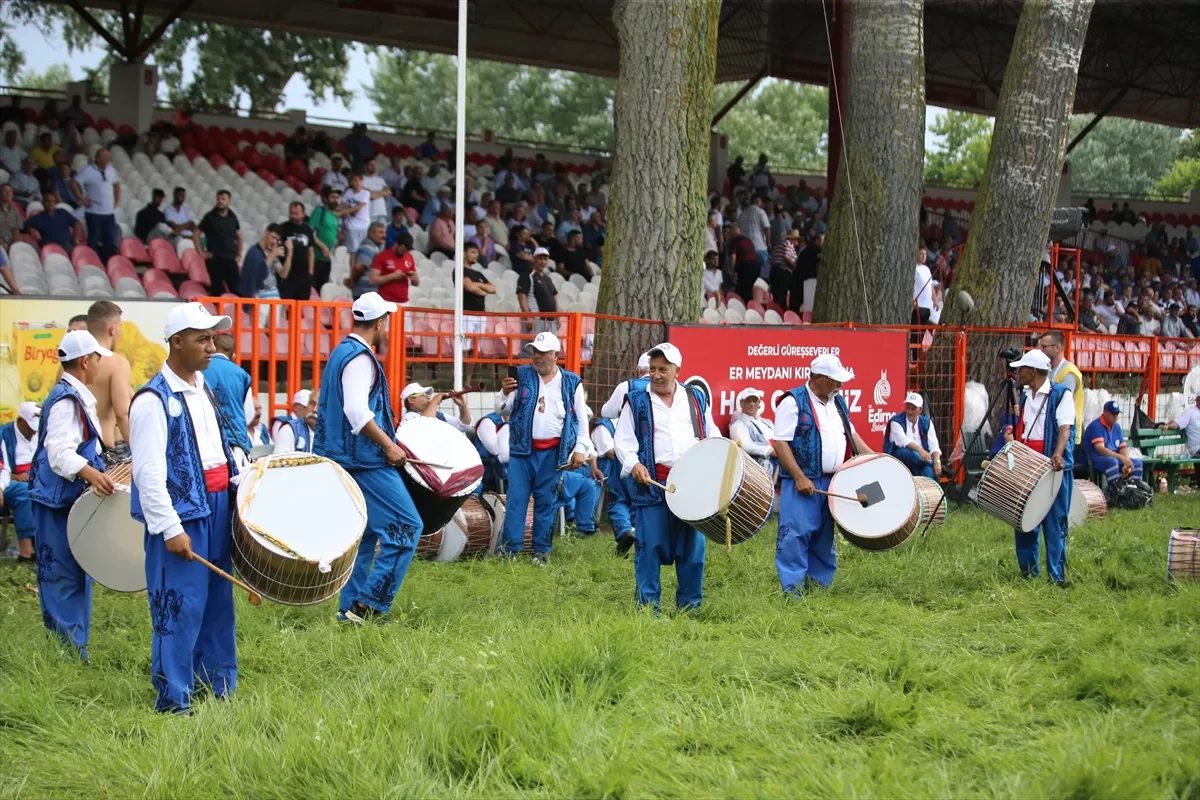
{"x":808,"y":264}
{"x":476,"y":286}
{"x":414,"y":194}
{"x":299,"y":282}
{"x":539,"y":285}
{"x":151,"y":216}
{"x":545,"y":237}
{"x":296,"y":145}
{"x":572,"y":259}
{"x":520,"y":249}
{"x":222,"y":246}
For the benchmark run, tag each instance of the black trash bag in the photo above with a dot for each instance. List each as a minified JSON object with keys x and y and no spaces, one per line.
{"x":1131,"y":493}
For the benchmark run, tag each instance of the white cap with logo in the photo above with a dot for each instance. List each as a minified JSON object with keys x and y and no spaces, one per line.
{"x":301,"y":397}
{"x":746,"y":394}
{"x":193,"y":317}
{"x":544,"y":342}
{"x":30,"y":412}
{"x":668,"y":351}
{"x":77,"y":344}
{"x":1035,"y":359}
{"x":371,"y":306}
{"x":541,"y":251}
{"x":415,"y":388}
{"x":830,"y":366}
{"x":914,"y":399}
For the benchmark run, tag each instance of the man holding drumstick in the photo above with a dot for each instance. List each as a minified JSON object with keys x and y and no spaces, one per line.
{"x":813,"y":437}
{"x":676,"y":418}
{"x":182,"y":471}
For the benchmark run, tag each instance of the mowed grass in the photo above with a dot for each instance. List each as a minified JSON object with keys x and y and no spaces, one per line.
{"x":932,"y":671}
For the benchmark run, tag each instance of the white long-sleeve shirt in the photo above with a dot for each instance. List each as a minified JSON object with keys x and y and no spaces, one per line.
{"x":673,"y":433}
{"x":285,"y":439}
{"x":612,"y":407}
{"x":65,"y":432}
{"x":902,"y":435}
{"x":1034,"y":419}
{"x":833,"y":435}
{"x":10,"y":461}
{"x":603,"y":441}
{"x":739,"y":432}
{"x":357,"y":379}
{"x":494,"y":441}
{"x":148,"y":442}
{"x":548,"y":423}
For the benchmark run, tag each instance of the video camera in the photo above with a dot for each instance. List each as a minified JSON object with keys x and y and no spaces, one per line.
{"x":1009,"y":355}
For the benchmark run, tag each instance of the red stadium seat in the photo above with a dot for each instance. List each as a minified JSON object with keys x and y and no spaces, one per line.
{"x":133,"y":249}
{"x":163,"y":257}
{"x":83,"y":255}
{"x":104,"y":124}
{"x":190,"y":290}
{"x":53,"y":248}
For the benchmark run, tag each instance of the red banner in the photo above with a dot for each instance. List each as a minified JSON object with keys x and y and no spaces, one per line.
{"x":723,"y":361}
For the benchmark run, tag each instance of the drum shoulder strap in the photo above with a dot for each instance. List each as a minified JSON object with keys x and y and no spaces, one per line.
{"x":841,"y":409}
{"x":694,"y":412}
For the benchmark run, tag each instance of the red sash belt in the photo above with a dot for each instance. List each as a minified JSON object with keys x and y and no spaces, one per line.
{"x":1039,"y":445}
{"x":661,"y":471}
{"x":217,"y":478}
{"x":21,"y":469}
{"x":545,"y":444}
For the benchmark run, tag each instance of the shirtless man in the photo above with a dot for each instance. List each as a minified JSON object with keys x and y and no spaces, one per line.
{"x":113,"y":387}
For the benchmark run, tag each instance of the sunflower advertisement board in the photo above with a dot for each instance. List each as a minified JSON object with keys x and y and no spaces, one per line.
{"x":30,"y":330}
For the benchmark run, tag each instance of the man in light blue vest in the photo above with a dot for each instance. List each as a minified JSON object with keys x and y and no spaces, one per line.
{"x":491,"y":442}
{"x":66,"y":461}
{"x":578,"y":492}
{"x":293,"y":433}
{"x":911,"y":438}
{"x":612,"y":407}
{"x":183,"y":473}
{"x":813,"y":437}
{"x":230,"y":385}
{"x":618,"y":488}
{"x":1046,"y":423}
{"x":356,"y":428}
{"x":18,"y":440}
{"x":547,"y":420}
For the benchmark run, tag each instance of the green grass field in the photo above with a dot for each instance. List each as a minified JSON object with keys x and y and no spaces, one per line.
{"x":932,"y":671}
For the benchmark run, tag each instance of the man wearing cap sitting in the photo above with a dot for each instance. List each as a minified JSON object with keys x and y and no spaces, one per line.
{"x":752,"y":432}
{"x":293,"y":433}
{"x":236,"y":403}
{"x":66,"y":461}
{"x":662,"y":420}
{"x":491,"y":442}
{"x":612,"y":407}
{"x":259,"y":433}
{"x":422,"y":401}
{"x":619,"y":489}
{"x":1045,"y":423}
{"x":355,"y":428}
{"x":547,"y":417}
{"x":578,"y":491}
{"x":813,"y":437}
{"x":18,"y":440}
{"x":183,"y":469}
{"x":912,"y":439}
{"x":1106,"y":448}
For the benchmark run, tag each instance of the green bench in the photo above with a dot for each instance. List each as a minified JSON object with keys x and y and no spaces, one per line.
{"x":1150,"y":440}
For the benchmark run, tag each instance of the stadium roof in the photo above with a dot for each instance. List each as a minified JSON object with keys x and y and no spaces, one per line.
{"x":1140,"y":59}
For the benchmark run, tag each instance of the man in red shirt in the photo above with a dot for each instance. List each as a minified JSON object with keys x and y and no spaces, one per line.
{"x":394,"y":269}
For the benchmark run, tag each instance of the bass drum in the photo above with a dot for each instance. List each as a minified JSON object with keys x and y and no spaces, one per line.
{"x":496,"y":502}
{"x":108,"y":543}
{"x":438,"y":491}
{"x":885,"y":524}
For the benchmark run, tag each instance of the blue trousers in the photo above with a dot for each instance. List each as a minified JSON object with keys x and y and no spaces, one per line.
{"x":663,"y":538}
{"x":103,"y":234}
{"x":915,"y":464}
{"x":191,"y":612}
{"x":493,"y":473}
{"x":64,"y":589}
{"x":16,"y":499}
{"x":1054,"y":531}
{"x":533,"y":476}
{"x":395,"y":526}
{"x":805,"y":547}
{"x":579,"y":494}
{"x":1111,"y":467}
{"x":617,"y":499}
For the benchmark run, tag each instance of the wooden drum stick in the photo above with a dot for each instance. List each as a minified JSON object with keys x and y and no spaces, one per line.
{"x":255,"y":597}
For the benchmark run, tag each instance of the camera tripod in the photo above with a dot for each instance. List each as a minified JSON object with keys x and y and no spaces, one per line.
{"x":1006,"y":393}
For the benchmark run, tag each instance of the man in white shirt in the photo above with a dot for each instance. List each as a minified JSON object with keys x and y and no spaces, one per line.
{"x":911,"y":438}
{"x":813,"y":437}
{"x":182,"y":472}
{"x":379,"y":190}
{"x":676,"y":418}
{"x":922,"y":290}
{"x":612,"y":407}
{"x":102,"y":189}
{"x":547,"y":418}
{"x":178,"y":216}
{"x":422,"y":401}
{"x":357,"y":202}
{"x":67,"y":459}
{"x":491,"y":442}
{"x":1189,"y":423}
{"x":1107,"y":311}
{"x":755,"y":434}
{"x":12,"y":155}
{"x":355,"y":428}
{"x":334,"y":176}
{"x":293,"y":433}
{"x":1045,"y":423}
{"x":756,"y":226}
{"x":18,"y":440}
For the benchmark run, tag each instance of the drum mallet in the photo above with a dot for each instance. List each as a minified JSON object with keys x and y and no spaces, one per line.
{"x":653,"y":482}
{"x":426,"y":464}
{"x":255,"y":597}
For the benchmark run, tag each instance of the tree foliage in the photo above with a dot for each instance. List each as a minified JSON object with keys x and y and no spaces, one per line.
{"x":55,"y":77}
{"x":1121,"y":156}
{"x":959,"y":153}
{"x":1183,"y":177}
{"x":788,"y":121}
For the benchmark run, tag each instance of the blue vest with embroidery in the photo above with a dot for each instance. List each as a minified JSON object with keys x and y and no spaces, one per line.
{"x":264,"y":434}
{"x":901,"y":419}
{"x":229,"y":384}
{"x":643,"y":426}
{"x":8,"y":444}
{"x":491,"y":464}
{"x":45,"y":485}
{"x":1050,"y":432}
{"x":520,"y":436}
{"x":185,"y":472}
{"x":301,"y":435}
{"x":806,"y":442}
{"x":333,"y":438}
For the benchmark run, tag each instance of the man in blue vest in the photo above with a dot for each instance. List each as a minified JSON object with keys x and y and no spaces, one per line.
{"x":183,"y":471}
{"x":1045,"y":423}
{"x":578,"y":492}
{"x":1106,"y":448}
{"x":491,"y":442}
{"x":813,"y":437}
{"x":66,"y":461}
{"x":356,"y":428}
{"x":547,"y":418}
{"x":912,"y":439}
{"x":293,"y":433}
{"x":423,"y":401}
{"x":619,"y":490}
{"x":612,"y":407}
{"x":18,"y":440}
{"x":258,"y":431}
{"x":236,"y":402}
{"x":659,"y":423}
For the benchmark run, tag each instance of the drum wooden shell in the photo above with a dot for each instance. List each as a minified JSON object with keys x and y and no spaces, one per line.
{"x":894,"y":521}
{"x":497,"y":502}
{"x":1023,"y":495}
{"x":931,"y":500}
{"x":468,"y":533}
{"x":266,"y":564}
{"x":697,"y":476}
{"x":478,"y":522}
{"x":104,"y":539}
{"x":1087,"y":503}
{"x":121,"y":474}
{"x":1183,"y":555}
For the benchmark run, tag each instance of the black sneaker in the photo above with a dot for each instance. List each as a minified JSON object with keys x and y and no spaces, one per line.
{"x":624,"y":542}
{"x":541,"y":560}
{"x":360,"y":612}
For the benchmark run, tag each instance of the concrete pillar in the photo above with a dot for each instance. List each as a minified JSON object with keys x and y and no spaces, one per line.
{"x":132,"y":92}
{"x":718,"y":161}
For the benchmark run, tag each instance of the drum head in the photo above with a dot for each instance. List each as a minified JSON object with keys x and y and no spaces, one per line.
{"x":108,"y":543}
{"x":430,"y":439}
{"x":496,"y":503}
{"x":697,"y":477}
{"x":307,"y":503}
{"x":454,"y":541}
{"x":1079,"y":507}
{"x":1041,"y":499}
{"x":884,"y":517}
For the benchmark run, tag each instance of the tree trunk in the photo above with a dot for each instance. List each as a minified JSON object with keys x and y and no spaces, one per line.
{"x":657,"y":212}
{"x":867,"y":263}
{"x":1011,"y":220}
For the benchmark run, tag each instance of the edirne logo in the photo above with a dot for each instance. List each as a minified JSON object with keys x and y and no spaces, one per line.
{"x":883,"y":389}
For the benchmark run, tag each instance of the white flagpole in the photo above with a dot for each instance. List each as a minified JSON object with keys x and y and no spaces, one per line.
{"x":460,"y":179}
